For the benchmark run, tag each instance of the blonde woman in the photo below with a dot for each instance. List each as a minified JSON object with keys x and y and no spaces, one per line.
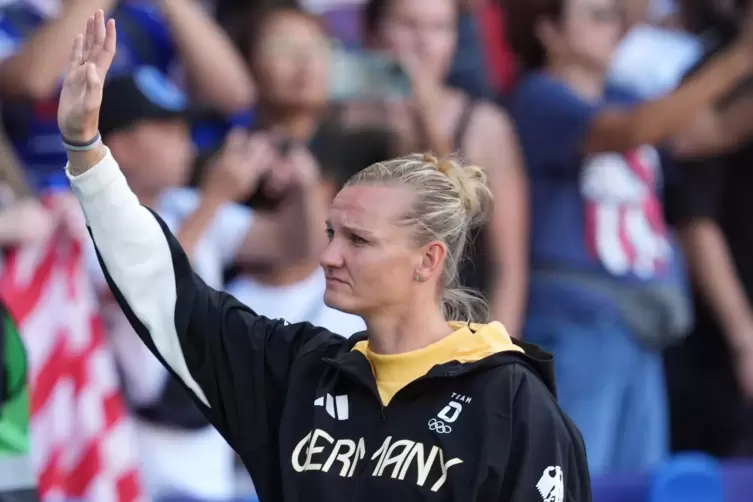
{"x":424,"y":405}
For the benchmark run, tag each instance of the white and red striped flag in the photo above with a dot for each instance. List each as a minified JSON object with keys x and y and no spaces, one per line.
{"x":82,"y":441}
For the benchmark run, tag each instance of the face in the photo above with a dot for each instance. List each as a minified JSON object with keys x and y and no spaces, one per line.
{"x":371,"y":259}
{"x":156,"y":154}
{"x":420,"y":34}
{"x":589,"y":32}
{"x":291,"y":62}
{"x":635,"y":11}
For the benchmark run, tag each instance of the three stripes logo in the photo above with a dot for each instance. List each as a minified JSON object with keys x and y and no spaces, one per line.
{"x":335,"y":406}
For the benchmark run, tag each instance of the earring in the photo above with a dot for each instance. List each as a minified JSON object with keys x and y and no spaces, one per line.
{"x":419,"y":278}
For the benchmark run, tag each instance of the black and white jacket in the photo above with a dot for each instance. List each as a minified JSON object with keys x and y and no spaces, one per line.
{"x":302,"y":409}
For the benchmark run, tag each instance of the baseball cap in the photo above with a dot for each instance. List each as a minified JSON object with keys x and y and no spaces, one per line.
{"x":142,"y":95}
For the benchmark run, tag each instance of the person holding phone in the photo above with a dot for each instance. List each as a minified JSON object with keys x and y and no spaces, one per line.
{"x":420,"y":37}
{"x":608,"y":285}
{"x":425,"y":404}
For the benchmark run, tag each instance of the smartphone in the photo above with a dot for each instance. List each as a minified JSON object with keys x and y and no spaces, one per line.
{"x":358,"y":75}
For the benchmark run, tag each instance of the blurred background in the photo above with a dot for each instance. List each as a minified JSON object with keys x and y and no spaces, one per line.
{"x":616,"y":135}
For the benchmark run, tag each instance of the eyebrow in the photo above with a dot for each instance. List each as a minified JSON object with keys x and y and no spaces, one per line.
{"x":351,"y":229}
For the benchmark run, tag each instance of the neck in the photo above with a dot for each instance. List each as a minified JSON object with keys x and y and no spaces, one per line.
{"x":586,"y":82}
{"x":285,"y":276}
{"x":299,"y":124}
{"x":389,"y":334}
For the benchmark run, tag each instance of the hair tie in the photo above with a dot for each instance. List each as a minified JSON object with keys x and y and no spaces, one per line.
{"x":430,"y":159}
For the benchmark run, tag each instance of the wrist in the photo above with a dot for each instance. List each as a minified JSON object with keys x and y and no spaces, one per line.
{"x":91,"y":143}
{"x":80,"y":162}
{"x":80,"y":136}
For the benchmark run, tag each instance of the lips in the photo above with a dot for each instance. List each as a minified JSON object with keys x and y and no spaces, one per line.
{"x":335,"y":279}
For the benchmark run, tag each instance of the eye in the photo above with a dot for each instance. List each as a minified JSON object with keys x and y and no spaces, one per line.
{"x":357,"y":240}
{"x":330,"y":234}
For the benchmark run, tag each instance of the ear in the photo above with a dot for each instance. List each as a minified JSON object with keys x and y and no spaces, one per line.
{"x":432,"y":261}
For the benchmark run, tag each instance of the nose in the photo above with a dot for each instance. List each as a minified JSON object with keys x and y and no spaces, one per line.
{"x":332,"y":256}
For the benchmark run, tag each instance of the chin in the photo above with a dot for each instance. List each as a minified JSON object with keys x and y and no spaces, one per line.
{"x":341,"y":301}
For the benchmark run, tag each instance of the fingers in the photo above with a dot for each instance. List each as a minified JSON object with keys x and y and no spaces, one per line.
{"x":106,"y":52}
{"x":111,"y":37}
{"x":259,"y":153}
{"x":236,"y":140}
{"x":77,"y":55}
{"x":97,"y":46}
{"x":93,"y":84}
{"x":100,"y":30}
{"x":88,"y":38}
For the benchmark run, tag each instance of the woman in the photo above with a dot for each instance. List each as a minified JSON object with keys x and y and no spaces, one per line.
{"x":287,"y":54}
{"x":606,"y":284}
{"x":294,"y":289}
{"x":414,"y":408}
{"x":421,"y":35}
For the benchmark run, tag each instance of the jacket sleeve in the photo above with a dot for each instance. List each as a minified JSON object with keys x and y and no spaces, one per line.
{"x":234,"y":362}
{"x":547,"y":460}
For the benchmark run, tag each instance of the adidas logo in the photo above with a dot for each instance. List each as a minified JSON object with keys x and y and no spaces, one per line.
{"x":336,"y":407}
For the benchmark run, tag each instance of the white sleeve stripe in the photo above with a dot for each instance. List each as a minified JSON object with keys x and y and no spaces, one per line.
{"x":137,"y":258}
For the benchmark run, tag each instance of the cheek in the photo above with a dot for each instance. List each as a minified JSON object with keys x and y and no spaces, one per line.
{"x":594,"y":37}
{"x":381,"y":269}
{"x":273,"y":75}
{"x":444,"y":50}
{"x":397,"y":40}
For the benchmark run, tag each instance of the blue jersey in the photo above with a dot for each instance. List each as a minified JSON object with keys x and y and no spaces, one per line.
{"x":597,"y":213}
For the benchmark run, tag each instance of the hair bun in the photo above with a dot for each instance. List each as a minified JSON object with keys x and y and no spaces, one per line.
{"x":471,"y":184}
{"x":446,"y":167}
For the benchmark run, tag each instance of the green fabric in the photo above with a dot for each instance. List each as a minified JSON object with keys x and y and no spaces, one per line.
{"x":14,"y":414}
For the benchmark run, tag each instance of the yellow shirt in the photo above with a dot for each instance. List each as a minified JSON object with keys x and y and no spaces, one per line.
{"x":466,"y":344}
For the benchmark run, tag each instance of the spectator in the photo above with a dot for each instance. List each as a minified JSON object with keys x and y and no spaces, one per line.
{"x":288,"y":54}
{"x":23,"y":221}
{"x":34,"y":46}
{"x":651,"y":59}
{"x":144,"y":121}
{"x":710,"y":376}
{"x":295,"y":292}
{"x":606,"y":288}
{"x":421,"y":35}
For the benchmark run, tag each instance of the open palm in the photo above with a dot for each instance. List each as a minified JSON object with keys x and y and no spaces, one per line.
{"x":81,"y":96}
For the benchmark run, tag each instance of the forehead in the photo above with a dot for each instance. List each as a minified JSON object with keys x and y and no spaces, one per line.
{"x":291,"y":24}
{"x":427,"y":9}
{"x":590,"y":4}
{"x":369,"y":207}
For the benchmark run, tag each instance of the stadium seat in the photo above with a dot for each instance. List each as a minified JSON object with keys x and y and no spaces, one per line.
{"x":691,"y":477}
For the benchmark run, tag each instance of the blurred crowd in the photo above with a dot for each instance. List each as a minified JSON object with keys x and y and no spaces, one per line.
{"x":615,"y":134}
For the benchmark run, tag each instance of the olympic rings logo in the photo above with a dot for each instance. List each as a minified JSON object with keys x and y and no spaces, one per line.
{"x":439,"y":426}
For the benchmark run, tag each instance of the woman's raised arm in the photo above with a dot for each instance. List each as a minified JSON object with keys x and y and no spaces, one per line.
{"x":234,"y":362}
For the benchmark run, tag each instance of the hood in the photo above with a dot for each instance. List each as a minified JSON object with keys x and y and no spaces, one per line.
{"x":471,"y":347}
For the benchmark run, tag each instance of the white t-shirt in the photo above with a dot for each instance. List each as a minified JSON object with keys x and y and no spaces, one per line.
{"x":651,"y":61}
{"x":299,"y":302}
{"x":197,"y":463}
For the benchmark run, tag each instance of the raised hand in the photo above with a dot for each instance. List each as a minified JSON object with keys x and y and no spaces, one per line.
{"x":239,"y":166}
{"x":81,"y":96}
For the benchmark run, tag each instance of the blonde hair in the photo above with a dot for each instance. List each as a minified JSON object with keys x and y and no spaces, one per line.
{"x":451,"y":199}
